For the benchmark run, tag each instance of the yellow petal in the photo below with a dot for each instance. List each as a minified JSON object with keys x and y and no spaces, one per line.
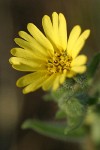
{"x":35,"y":85}
{"x":80,"y":43}
{"x":17,"y":60}
{"x":25,"y":62}
{"x":56,"y":83}
{"x":34,"y":47}
{"x":26,"y":36}
{"x":25,"y":68}
{"x":29,"y":78}
{"x":22,"y":43}
{"x":62,"y":31}
{"x":70,"y":74}
{"x":73,"y":38}
{"x":49,"y":82}
{"x":38,"y":35}
{"x":55,"y":22}
{"x":19,"y":52}
{"x":79,"y":69}
{"x":23,"y":53}
{"x":63,"y":76}
{"x":79,"y":60}
{"x":50,"y":32}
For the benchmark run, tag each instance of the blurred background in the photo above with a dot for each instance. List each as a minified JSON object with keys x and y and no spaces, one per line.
{"x":16,"y":107}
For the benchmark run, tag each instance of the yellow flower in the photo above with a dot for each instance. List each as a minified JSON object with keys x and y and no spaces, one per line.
{"x":49,"y":58}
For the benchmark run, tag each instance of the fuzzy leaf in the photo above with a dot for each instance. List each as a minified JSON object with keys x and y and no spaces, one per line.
{"x":75,"y":113}
{"x":53,"y":130}
{"x":45,"y":128}
{"x":66,"y":90}
{"x":81,"y":80}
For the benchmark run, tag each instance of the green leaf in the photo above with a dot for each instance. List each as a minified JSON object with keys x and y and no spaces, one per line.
{"x":53,"y":130}
{"x":95,"y":129}
{"x":45,"y":128}
{"x":93,"y":66}
{"x":75,"y":113}
{"x":60,"y":114}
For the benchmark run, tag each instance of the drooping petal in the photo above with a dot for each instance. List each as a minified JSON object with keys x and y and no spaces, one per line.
{"x":29,"y":78}
{"x":38,"y":35}
{"x":79,"y":60}
{"x":80,"y":43}
{"x":62,"y":31}
{"x":79,"y":69}
{"x":49,"y":82}
{"x":73,"y":38}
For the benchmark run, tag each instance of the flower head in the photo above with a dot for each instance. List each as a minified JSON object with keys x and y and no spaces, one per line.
{"x":49,"y":58}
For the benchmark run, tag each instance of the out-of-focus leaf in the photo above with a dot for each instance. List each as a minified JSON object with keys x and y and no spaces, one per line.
{"x":75,"y":113}
{"x":94,"y":100}
{"x":48,"y":97}
{"x":45,"y":128}
{"x":60,"y":114}
{"x":93,"y":66}
{"x":95,"y":129}
{"x":53,"y":130}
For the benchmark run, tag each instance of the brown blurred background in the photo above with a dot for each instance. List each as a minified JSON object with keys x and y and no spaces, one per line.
{"x":16,"y":107}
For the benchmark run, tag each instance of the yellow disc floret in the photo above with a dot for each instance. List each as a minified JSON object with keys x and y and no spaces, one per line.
{"x":59,"y":63}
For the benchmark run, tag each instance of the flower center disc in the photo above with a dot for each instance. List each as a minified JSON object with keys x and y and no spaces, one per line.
{"x":59,"y":63}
